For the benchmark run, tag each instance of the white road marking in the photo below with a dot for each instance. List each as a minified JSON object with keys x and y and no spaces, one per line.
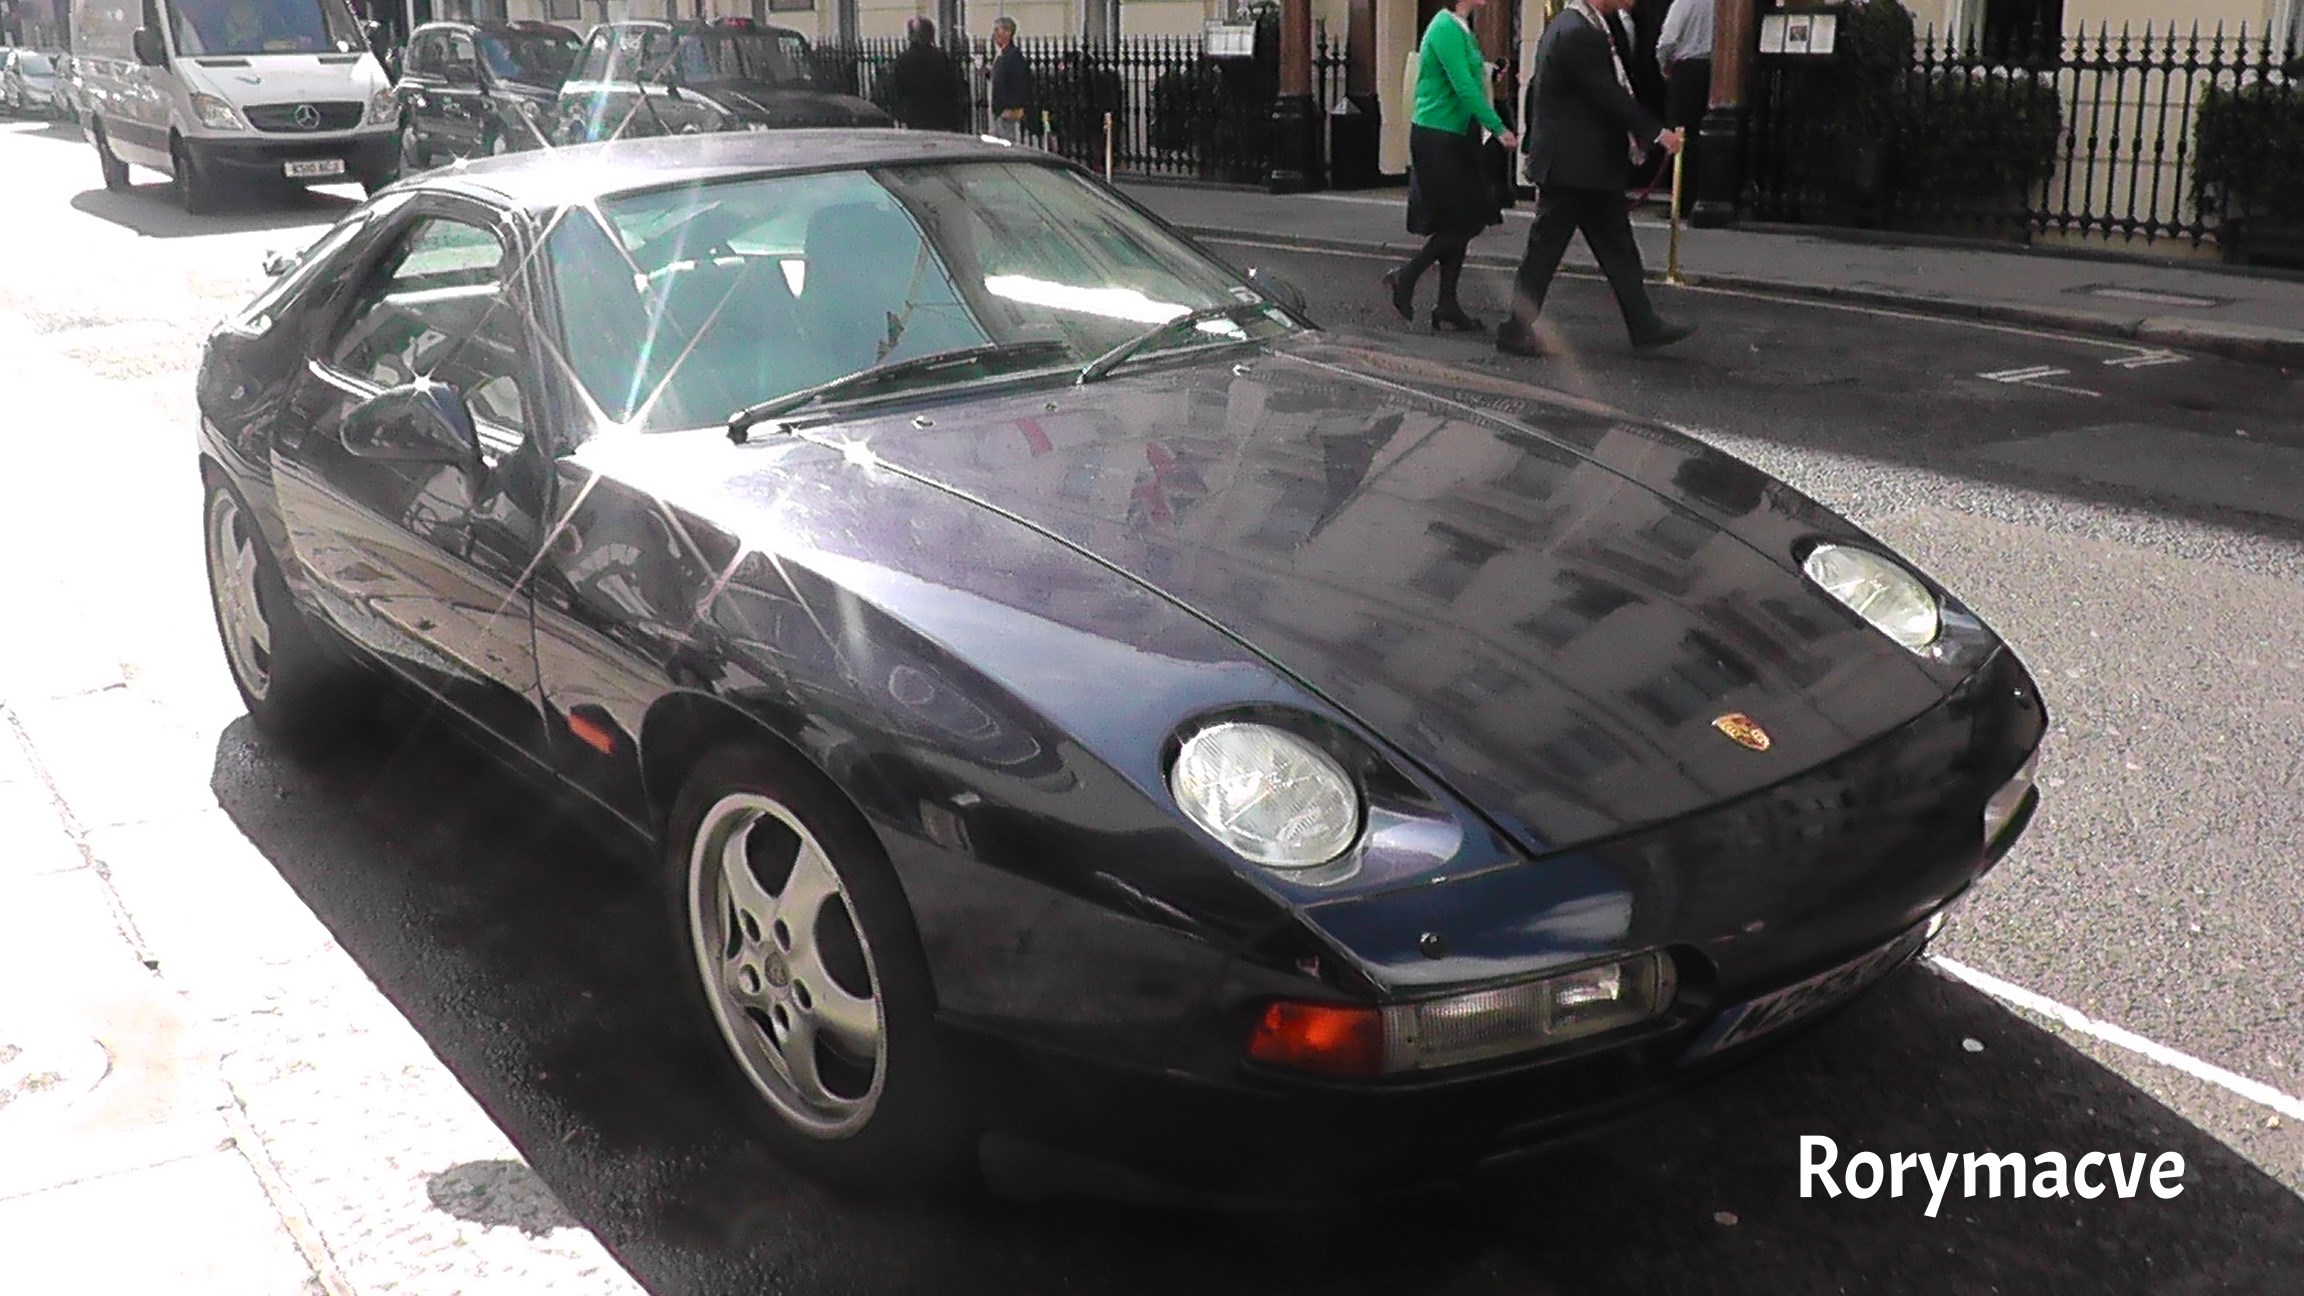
{"x":2255,"y":1091}
{"x":2147,"y":359}
{"x":2037,"y":376}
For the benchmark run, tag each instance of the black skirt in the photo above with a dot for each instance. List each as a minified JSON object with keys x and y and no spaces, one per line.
{"x":1448,"y":189}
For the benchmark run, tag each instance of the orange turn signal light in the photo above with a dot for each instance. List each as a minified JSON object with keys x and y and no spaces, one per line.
{"x":1324,"y":1039}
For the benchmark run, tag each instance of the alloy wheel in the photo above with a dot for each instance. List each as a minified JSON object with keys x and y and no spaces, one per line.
{"x":234,"y":582}
{"x":786,"y":968}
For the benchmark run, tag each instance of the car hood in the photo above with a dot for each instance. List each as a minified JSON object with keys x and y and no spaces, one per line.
{"x":1544,"y":605}
{"x":787,"y":109}
{"x":259,"y":79}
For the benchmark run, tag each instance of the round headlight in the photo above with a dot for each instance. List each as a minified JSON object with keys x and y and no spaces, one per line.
{"x":1879,"y":590}
{"x":1271,"y":796}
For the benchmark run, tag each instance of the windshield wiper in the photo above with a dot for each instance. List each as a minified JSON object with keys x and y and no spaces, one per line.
{"x":741,"y":423}
{"x":1119,"y":355}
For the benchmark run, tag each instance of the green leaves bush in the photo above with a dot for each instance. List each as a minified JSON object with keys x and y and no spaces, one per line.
{"x":2250,"y":151}
{"x":1974,"y":141}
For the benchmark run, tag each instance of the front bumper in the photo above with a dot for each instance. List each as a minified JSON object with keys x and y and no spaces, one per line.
{"x":1752,"y":897}
{"x":371,"y":156}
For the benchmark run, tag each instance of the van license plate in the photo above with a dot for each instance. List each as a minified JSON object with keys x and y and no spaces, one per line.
{"x":316,"y":167}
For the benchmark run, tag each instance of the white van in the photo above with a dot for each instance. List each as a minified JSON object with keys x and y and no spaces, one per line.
{"x":227,"y":94}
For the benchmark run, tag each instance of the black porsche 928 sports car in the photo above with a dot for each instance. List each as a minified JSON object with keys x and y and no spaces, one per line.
{"x":1081,"y":709}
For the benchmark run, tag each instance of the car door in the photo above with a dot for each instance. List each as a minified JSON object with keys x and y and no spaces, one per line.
{"x":463,"y":106}
{"x":422,"y":563}
{"x":419,"y":84}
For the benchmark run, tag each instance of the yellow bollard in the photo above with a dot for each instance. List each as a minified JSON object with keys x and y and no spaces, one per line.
{"x":1672,"y":264}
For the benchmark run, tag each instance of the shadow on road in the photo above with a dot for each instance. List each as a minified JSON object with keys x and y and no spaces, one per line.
{"x":531,"y":958}
{"x":153,"y":211}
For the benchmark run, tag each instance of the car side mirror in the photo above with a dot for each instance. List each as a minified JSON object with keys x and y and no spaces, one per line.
{"x":420,"y":422}
{"x":1278,"y":289}
{"x":149,"y":50}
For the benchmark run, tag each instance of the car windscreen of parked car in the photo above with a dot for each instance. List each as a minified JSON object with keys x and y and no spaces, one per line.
{"x":682,"y":306}
{"x":34,"y":65}
{"x":733,"y":56}
{"x":531,"y":58}
{"x":217,"y":27}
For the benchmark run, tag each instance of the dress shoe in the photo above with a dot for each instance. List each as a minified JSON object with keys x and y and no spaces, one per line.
{"x":1512,"y":341}
{"x":1403,"y":290}
{"x":1664,"y":335}
{"x":1446,"y":320}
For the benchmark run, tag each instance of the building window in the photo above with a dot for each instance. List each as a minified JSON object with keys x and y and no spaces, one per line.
{"x":564,"y":10}
{"x":2016,"y":30}
{"x":1450,"y":572}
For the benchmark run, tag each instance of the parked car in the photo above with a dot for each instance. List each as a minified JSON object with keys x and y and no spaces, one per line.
{"x":661,"y":78}
{"x":480,"y":89}
{"x":233,"y":96}
{"x":1071,"y":700}
{"x":28,"y":84}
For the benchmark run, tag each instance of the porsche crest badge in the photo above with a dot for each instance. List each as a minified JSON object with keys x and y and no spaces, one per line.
{"x":1743,"y":729}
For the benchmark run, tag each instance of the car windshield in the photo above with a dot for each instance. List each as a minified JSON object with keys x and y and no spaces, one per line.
{"x":682,"y":306}
{"x":531,"y":58}
{"x":264,"y":27}
{"x":34,"y":65}
{"x":730,"y":56}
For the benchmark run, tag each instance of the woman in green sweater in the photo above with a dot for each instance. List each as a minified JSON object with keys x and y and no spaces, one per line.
{"x":1448,"y":199}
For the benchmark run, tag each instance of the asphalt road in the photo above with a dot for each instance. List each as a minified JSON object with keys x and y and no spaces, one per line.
{"x":2142,"y":545}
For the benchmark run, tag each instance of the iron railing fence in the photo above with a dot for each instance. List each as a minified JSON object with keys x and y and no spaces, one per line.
{"x":1175,"y":111}
{"x":2161,"y":134}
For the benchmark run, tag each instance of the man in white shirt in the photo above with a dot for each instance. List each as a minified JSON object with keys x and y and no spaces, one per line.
{"x":1684,"y":53}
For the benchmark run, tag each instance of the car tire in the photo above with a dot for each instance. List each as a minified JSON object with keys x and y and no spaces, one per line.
{"x":777,"y":882}
{"x":194,"y":190}
{"x":114,"y":170}
{"x":293,"y":683}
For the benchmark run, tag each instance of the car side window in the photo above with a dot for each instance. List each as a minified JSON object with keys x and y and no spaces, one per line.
{"x":424,"y":57}
{"x":594,"y":65}
{"x":460,"y":54}
{"x":632,"y":52}
{"x":434,"y":307}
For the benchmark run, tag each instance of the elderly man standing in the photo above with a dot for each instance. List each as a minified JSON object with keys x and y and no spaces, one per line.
{"x":1011,"y":82}
{"x":1583,"y":128}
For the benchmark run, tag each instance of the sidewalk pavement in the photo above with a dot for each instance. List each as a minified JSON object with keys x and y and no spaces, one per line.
{"x":2202,"y":308}
{"x":200,"y":1093}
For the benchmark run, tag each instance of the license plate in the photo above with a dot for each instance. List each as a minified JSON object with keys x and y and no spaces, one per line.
{"x":316,"y":167}
{"x":1756,"y":1017}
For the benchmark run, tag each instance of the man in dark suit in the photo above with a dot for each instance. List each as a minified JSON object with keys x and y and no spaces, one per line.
{"x":924,"y":88}
{"x":1582,"y":130}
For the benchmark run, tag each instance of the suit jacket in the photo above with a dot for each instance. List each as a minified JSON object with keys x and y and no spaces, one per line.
{"x":1579,"y":119}
{"x":1011,"y":80}
{"x":925,"y":90}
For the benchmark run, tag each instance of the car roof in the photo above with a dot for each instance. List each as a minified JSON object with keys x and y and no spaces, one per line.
{"x":525,"y":26}
{"x":687,"y":25}
{"x":552,"y":178}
